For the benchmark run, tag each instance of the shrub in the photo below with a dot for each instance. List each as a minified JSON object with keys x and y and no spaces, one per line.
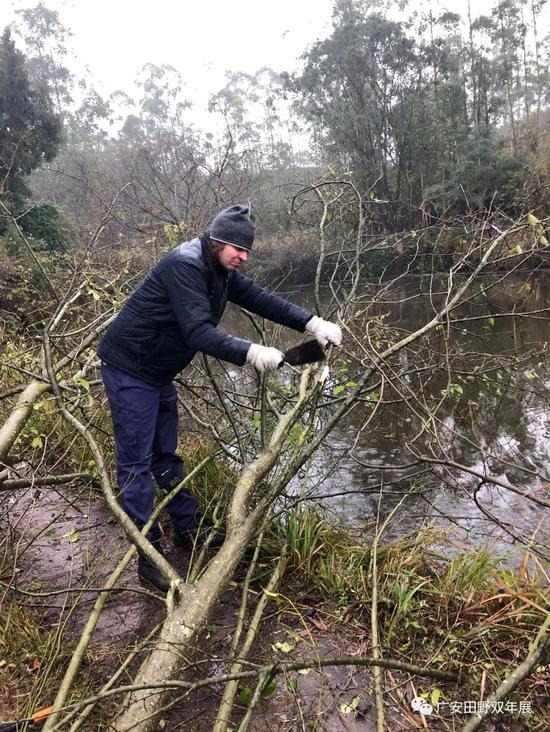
{"x":45,"y":224}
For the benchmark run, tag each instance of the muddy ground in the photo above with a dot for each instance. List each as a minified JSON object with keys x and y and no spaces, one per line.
{"x":65,"y":540}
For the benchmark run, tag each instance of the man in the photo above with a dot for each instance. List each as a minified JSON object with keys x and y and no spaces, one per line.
{"x":173,"y":314}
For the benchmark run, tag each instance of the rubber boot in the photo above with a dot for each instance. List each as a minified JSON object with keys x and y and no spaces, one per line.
{"x":149,"y":573}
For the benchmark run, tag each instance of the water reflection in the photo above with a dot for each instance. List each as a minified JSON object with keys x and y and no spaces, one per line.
{"x":498,"y":423}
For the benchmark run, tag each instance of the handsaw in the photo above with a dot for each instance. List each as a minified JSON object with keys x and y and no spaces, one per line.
{"x":308,"y":352}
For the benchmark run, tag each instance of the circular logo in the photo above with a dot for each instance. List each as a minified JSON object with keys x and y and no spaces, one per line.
{"x":421,"y":706}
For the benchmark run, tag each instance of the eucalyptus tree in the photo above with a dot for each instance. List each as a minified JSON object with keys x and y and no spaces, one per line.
{"x":507,"y":35}
{"x":360,"y":85}
{"x":257,"y":117}
{"x":46,"y":40}
{"x":541,"y":74}
{"x":427,"y":109}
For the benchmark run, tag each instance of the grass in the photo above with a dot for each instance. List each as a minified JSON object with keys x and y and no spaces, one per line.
{"x":32,"y":660}
{"x":468,"y":613}
{"x":214,"y":483}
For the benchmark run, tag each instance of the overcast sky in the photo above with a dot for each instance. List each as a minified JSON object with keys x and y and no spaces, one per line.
{"x":200,"y":38}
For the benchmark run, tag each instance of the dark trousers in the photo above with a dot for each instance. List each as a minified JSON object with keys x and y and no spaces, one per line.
{"x":145,"y":423}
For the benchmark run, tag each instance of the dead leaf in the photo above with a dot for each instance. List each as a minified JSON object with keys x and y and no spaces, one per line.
{"x":319,"y":624}
{"x":34,"y":665}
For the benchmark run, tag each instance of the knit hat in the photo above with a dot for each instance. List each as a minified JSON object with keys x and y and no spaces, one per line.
{"x":233,"y":226}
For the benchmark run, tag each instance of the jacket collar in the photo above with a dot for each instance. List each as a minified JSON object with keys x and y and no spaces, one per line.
{"x":208,"y":257}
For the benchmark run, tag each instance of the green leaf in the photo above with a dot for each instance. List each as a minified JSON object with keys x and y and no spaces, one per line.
{"x":245,"y":695}
{"x":37,"y":442}
{"x":73,"y":535}
{"x":532,"y":220}
{"x":82,"y":382}
{"x":455,"y":390}
{"x":543,"y":241}
{"x":293,"y":685}
{"x":491,"y":321}
{"x":435,"y":696}
{"x":515,"y":250}
{"x":304,"y":671}
{"x":338,"y":389}
{"x":283,"y":646}
{"x":268,"y":689}
{"x":272,"y":596}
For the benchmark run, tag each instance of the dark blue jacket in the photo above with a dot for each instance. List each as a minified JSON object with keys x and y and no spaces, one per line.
{"x":175,"y":310}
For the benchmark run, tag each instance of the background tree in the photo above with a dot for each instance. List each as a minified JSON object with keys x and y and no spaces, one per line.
{"x":45,"y":39}
{"x":426,"y":106}
{"x":30,"y":133}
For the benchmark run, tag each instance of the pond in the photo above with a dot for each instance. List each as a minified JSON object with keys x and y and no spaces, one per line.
{"x":496,"y":422}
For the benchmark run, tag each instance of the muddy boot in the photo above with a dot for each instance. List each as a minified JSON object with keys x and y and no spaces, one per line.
{"x":149,"y":573}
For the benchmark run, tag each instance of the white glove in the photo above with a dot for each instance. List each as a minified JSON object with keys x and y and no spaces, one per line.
{"x":325,"y":331}
{"x":264,"y":358}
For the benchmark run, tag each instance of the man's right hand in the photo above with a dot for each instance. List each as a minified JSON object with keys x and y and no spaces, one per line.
{"x":264,"y":358}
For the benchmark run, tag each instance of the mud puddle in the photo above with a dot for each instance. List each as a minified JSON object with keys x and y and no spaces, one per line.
{"x":65,"y":545}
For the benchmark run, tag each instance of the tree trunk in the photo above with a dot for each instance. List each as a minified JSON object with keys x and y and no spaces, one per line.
{"x":175,"y":644}
{"x":19,"y":415}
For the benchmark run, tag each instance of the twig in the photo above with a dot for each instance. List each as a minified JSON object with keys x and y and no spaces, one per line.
{"x":12,"y":483}
{"x":377,"y":672}
{"x":269,"y":670}
{"x":226,"y":704}
{"x":525,"y":669}
{"x":256,"y":697}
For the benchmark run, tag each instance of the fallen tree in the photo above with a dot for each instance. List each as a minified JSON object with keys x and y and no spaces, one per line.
{"x":276,"y":430}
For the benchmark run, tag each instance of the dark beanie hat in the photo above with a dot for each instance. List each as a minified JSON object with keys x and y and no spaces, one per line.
{"x":233,"y":226}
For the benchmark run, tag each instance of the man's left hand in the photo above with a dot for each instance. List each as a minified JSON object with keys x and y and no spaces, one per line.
{"x":325,"y":331}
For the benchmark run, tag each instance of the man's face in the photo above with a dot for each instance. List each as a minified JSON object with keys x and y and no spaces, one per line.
{"x":231,"y":257}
